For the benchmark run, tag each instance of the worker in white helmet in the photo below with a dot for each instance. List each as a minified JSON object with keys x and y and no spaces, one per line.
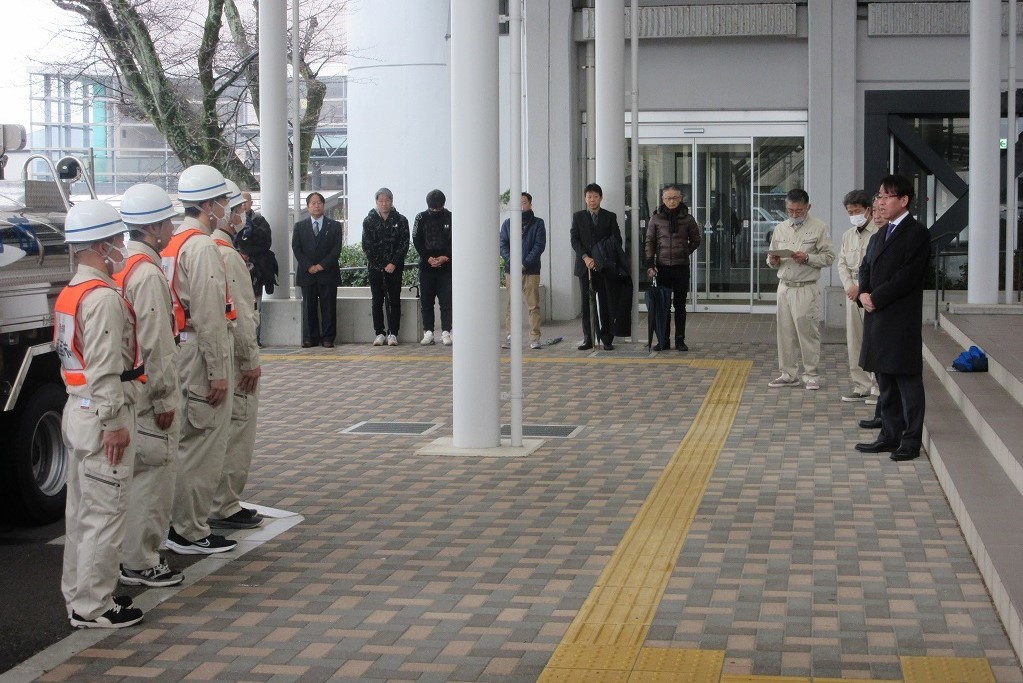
{"x":227,"y":511}
{"x":94,"y":335}
{"x":146,"y":210}
{"x":202,"y":310}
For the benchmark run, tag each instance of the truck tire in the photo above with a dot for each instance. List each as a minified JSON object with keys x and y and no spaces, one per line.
{"x":40,"y":464}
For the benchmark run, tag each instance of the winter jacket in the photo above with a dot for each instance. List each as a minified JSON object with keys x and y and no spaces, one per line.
{"x":534,"y":241}
{"x":383,"y":241}
{"x":671,"y":248}
{"x":431,"y":233}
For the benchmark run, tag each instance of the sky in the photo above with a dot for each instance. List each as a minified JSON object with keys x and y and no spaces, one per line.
{"x":34,"y":33}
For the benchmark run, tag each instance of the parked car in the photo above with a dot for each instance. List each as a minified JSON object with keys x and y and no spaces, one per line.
{"x":762,"y":225}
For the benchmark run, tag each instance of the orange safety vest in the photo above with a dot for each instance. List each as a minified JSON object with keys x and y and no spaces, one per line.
{"x":122,"y":277}
{"x":66,"y":339}
{"x":170,"y":265}
{"x":230,"y":311}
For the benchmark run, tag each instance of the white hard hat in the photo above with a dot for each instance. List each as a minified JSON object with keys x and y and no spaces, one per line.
{"x":198,"y":183}
{"x":145,"y":204}
{"x":91,"y":221}
{"x":234,"y":194}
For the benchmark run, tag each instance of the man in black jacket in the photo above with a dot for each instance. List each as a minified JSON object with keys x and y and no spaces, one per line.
{"x":317,"y":246}
{"x":385,"y":243}
{"x":590,"y":226}
{"x":891,"y":282}
{"x":431,"y":234}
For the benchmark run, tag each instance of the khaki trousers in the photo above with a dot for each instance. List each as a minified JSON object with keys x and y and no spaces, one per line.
{"x":96,"y":509}
{"x":799,"y":332}
{"x":531,"y":295}
{"x":241,"y":441}
{"x":862,"y":381}
{"x":152,"y":490}
{"x":202,"y":442}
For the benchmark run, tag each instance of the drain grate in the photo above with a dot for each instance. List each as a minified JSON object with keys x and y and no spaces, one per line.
{"x":549,"y":431}
{"x":406,"y":428}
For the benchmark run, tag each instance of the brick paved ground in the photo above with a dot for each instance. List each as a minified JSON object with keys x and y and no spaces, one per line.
{"x":805,"y":558}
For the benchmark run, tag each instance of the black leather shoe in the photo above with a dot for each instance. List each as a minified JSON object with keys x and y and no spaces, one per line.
{"x":879,"y":446}
{"x":872,"y":423}
{"x":328,"y":344}
{"x":586,"y":345}
{"x":307,"y":344}
{"x":655,"y":347}
{"x":903,"y":453}
{"x":681,"y":347}
{"x":608,"y":346}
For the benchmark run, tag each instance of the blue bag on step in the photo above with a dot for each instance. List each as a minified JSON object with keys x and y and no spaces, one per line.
{"x":971,"y":360}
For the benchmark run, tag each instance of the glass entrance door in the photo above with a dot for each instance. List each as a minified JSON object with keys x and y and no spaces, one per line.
{"x":735,"y":189}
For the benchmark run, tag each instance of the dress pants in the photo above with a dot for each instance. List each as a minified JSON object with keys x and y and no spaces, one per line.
{"x":380,"y":283}
{"x":902,"y":408}
{"x":799,"y":331}
{"x":95,"y":513}
{"x":862,"y":380}
{"x":435,"y":283}
{"x":531,"y":294}
{"x":676,"y":277}
{"x":606,"y":331}
{"x":152,"y":490}
{"x":202,"y":441}
{"x":320,"y":312}
{"x":241,"y":442}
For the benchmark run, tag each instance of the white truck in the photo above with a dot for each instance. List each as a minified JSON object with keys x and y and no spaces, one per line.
{"x":35,"y":264}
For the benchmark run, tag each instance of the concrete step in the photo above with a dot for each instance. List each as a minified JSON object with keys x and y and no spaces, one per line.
{"x":1001,"y":337}
{"x":990,"y":410}
{"x":986,"y":503}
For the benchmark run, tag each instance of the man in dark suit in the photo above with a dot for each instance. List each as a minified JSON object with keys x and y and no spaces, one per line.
{"x":317,"y":246}
{"x":891,"y":293}
{"x":589,"y":227}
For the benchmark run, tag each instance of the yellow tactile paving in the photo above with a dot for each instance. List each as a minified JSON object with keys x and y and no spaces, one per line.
{"x":643,"y":562}
{"x":695,"y":666}
{"x":744,"y":678}
{"x":947,"y":670}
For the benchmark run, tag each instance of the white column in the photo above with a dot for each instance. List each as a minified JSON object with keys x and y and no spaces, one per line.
{"x":1011,"y":184}
{"x":273,"y":133}
{"x":609,"y":37}
{"x":985,"y":87}
{"x":474,"y":187}
{"x":514,"y":280}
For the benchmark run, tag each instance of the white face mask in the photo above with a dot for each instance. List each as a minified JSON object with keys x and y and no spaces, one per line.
{"x":115,"y":266}
{"x":858,"y":220}
{"x":798,"y":221}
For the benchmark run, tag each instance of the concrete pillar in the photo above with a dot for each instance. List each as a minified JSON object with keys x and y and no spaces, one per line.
{"x":273,"y":134}
{"x":552,"y":118}
{"x":474,"y":186}
{"x":985,"y":88}
{"x":609,"y":37}
{"x":399,"y":105}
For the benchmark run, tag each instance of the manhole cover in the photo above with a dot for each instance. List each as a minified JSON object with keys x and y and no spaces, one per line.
{"x":408,"y":428}
{"x":549,"y":431}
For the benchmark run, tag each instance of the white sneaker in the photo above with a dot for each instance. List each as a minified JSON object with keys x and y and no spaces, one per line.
{"x":445,"y":338}
{"x":871,"y":400}
{"x":392,"y":340}
{"x":783,"y":381}
{"x":427,"y":338}
{"x":535,"y":344}
{"x":813,"y":384}
{"x":506,"y":344}
{"x":380,"y":340}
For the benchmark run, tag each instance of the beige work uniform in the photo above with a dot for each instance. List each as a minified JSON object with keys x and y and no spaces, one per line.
{"x":850,"y":256}
{"x":799,"y":297}
{"x":241,"y":438}
{"x":97,"y":492}
{"x":152,"y":489}
{"x":204,"y":355}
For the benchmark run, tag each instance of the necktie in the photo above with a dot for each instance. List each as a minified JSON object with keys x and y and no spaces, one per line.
{"x":594,"y":217}
{"x":891,"y":229}
{"x":316,"y":227}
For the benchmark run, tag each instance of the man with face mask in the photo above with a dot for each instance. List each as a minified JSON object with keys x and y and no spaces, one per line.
{"x":850,"y":256}
{"x":202,"y":309}
{"x":227,"y":511}
{"x":800,"y":247}
{"x":94,"y":335}
{"x":147,"y":211}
